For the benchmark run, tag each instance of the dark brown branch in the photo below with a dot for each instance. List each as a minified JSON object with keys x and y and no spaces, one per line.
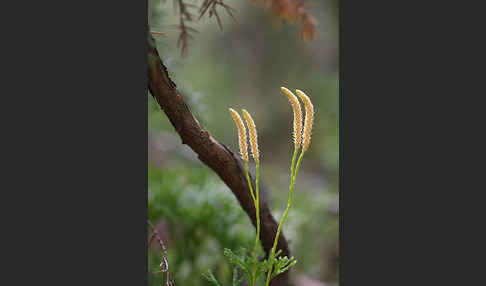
{"x":217,"y":156}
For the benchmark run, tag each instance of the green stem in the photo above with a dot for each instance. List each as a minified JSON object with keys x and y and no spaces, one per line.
{"x":292,"y":166}
{"x":257,"y":214}
{"x":293,"y":175}
{"x":249,"y":182}
{"x":298,"y":163}
{"x":257,"y":208}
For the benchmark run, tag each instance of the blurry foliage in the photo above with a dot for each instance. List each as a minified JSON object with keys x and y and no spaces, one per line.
{"x":201,"y":218}
{"x":293,"y":11}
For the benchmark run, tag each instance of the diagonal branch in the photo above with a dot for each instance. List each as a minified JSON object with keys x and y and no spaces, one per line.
{"x":212,"y":153}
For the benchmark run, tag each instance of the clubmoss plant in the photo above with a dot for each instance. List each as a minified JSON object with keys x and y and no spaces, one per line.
{"x":241,"y":134}
{"x":256,"y":156}
{"x":274,"y":266}
{"x":294,"y":169}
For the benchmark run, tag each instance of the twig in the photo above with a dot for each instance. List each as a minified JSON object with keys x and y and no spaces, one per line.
{"x":211,"y":5}
{"x":158,"y":33}
{"x":164,"y":264}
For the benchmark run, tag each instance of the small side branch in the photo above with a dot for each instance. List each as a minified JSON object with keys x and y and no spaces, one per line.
{"x":164,"y":265}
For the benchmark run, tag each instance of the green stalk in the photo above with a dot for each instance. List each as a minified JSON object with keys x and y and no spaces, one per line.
{"x":256,"y":202}
{"x":293,"y":174}
{"x":298,"y":163}
{"x":249,"y":182}
{"x":257,"y":208}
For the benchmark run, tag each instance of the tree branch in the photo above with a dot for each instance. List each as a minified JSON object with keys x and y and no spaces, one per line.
{"x":212,"y":153}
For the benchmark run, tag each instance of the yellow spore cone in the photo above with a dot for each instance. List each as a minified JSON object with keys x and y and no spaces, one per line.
{"x":241,"y":134}
{"x":309,"y":119}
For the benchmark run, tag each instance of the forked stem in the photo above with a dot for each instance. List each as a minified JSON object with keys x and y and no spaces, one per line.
{"x":256,"y":200}
{"x":249,"y":181}
{"x":293,"y":175}
{"x":257,"y":209}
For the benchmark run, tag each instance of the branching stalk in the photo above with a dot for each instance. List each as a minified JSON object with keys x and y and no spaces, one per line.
{"x":257,"y":208}
{"x":293,"y":175}
{"x":255,"y":196}
{"x":249,"y":181}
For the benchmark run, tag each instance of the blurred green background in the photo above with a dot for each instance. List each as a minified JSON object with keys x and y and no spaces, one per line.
{"x":243,"y":66}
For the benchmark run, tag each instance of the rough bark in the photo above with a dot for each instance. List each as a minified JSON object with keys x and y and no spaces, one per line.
{"x":217,"y":156}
